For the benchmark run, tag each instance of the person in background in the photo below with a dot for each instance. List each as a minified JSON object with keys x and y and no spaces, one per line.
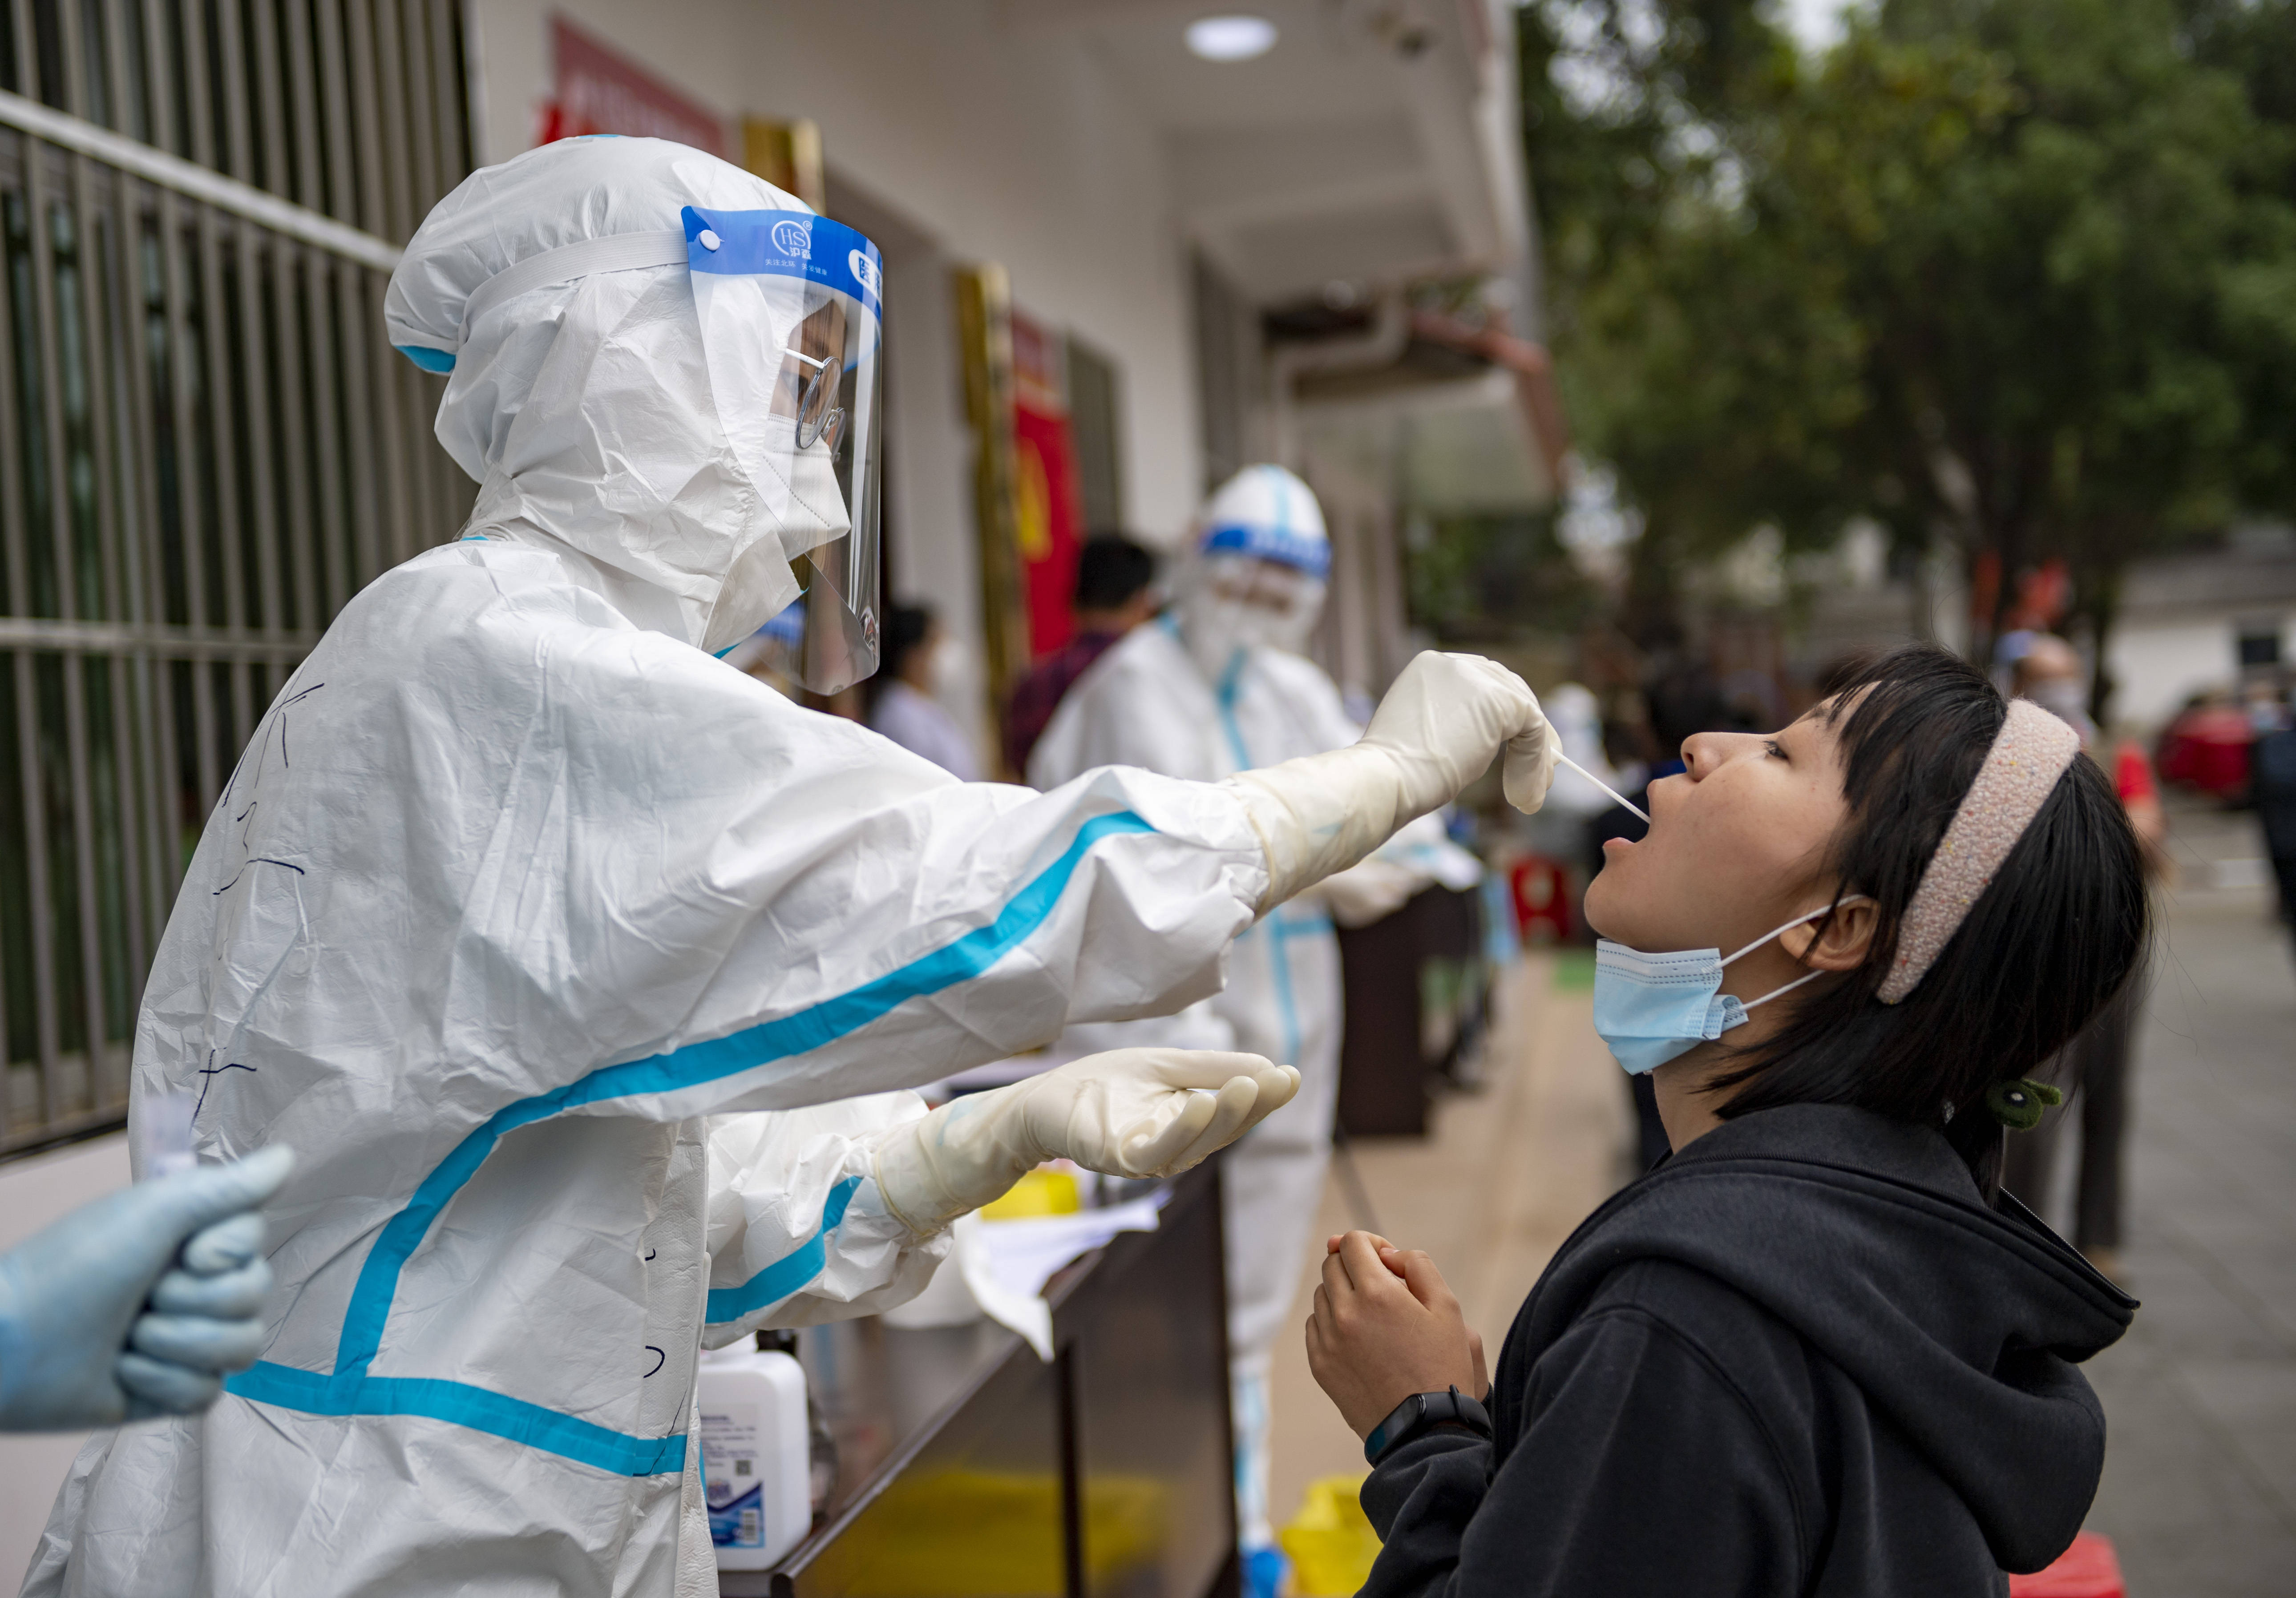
{"x":2272,"y":784}
{"x":2093,"y":1068}
{"x":902,"y":696}
{"x":1221,"y":684}
{"x":1115,"y":592}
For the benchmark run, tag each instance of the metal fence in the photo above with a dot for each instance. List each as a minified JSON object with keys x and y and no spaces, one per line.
{"x":206,"y":448}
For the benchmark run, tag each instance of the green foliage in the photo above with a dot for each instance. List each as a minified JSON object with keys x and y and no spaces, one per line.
{"x":2017,"y":272}
{"x":1471,"y":577}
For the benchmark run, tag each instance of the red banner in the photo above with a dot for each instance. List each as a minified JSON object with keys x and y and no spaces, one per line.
{"x":598,"y":90}
{"x":1050,"y":502}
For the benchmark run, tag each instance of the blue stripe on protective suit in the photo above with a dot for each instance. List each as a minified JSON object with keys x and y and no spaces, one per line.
{"x":795,"y":1034}
{"x":459,"y":1404}
{"x":788,"y":1274}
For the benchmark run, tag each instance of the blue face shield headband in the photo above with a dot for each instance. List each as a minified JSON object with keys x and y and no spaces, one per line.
{"x":1650,"y":1008}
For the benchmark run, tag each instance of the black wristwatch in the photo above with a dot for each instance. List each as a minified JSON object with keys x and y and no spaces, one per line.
{"x":1420,"y":1413}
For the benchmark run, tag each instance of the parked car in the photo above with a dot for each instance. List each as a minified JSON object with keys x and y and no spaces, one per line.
{"x":2206,"y":747}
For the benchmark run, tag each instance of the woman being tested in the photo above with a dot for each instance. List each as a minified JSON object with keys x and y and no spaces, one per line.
{"x":1814,"y":1351}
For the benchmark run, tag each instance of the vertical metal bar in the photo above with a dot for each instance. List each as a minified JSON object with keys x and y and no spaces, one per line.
{"x":35,"y":891}
{"x":451,"y":96}
{"x":122,"y":89}
{"x":70,"y":606}
{"x":223,"y":432}
{"x":169,"y":402}
{"x":188,"y":467}
{"x":15,"y":536}
{"x":282,"y":164}
{"x":351,"y":202}
{"x":44,"y":302}
{"x":131,"y":53}
{"x":92,"y":232}
{"x":17,"y":17}
{"x":302,"y":70}
{"x":97,"y":239}
{"x":400,"y":40}
{"x":300,"y":517}
{"x":69,"y":38}
{"x":231,"y":44}
{"x":28,"y":54}
{"x":14,"y":539}
{"x":371,"y":490}
{"x":401,"y":134}
{"x":136,"y":719}
{"x":160,"y":69}
{"x":330,"y":530}
{"x":255,"y":361}
{"x":163,"y":64}
{"x":382,"y":186}
{"x":199,"y":108}
{"x":46,"y":1044}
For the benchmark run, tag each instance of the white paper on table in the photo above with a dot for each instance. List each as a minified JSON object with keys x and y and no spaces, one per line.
{"x":1013,"y":1259}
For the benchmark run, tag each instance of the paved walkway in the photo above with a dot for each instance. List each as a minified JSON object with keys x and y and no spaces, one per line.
{"x":2200,"y":1484}
{"x":2200,"y":1481}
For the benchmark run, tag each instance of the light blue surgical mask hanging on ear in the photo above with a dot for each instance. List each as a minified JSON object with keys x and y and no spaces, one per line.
{"x":1650,"y":1008}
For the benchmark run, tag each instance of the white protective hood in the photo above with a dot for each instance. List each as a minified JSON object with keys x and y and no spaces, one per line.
{"x":583,"y":408}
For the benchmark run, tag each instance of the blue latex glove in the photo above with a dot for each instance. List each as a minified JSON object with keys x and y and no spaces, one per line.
{"x":135,"y":1306}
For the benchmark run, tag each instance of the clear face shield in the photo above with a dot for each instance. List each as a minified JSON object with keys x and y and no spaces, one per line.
{"x":791,"y":326}
{"x":1239,"y":602}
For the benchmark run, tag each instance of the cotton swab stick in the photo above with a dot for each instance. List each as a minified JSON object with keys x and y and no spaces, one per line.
{"x":1605,"y":787}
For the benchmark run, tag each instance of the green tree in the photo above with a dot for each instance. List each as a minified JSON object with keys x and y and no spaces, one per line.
{"x":2016,"y":273}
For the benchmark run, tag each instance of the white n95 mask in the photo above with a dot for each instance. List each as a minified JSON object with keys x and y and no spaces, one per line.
{"x":1650,"y":1008}
{"x":1237,"y":603}
{"x":788,"y":310}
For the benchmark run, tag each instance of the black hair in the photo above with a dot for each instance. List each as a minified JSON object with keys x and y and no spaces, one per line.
{"x":905,"y":628}
{"x":2063,"y":926}
{"x":1684,"y":701}
{"x":1110,"y":569}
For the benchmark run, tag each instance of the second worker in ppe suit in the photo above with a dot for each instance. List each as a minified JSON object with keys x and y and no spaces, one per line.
{"x":519,"y":899}
{"x":1219,"y":685}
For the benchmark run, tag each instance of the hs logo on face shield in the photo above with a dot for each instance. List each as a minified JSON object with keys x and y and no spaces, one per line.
{"x":792,"y":239}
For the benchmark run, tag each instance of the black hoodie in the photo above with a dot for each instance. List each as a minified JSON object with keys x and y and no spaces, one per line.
{"x":1801,"y":1356}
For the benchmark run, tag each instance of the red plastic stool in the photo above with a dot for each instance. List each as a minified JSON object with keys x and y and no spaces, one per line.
{"x":2089,"y":1568}
{"x":1542,"y":897}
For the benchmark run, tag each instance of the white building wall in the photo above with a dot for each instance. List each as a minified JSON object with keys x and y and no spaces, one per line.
{"x":2157,"y":665}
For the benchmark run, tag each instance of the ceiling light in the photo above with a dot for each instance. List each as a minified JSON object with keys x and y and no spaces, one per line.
{"x":1238,"y":37}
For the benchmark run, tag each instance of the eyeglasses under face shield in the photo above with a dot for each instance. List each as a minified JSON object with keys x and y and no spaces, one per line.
{"x":792,"y":327}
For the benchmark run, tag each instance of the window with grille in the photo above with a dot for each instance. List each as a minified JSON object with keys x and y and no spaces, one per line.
{"x":206,"y":448}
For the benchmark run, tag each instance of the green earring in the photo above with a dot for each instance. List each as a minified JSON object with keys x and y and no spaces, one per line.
{"x":2018,"y":1103}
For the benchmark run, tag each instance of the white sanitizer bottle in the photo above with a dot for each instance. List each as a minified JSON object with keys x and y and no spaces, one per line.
{"x":756,"y":1469}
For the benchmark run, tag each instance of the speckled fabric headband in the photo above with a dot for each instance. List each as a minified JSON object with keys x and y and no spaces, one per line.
{"x":2019,"y":772}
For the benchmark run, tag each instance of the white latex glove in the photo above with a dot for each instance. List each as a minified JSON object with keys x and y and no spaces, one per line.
{"x":1130,"y":1112}
{"x":1438,"y":730}
{"x":1369,"y":890}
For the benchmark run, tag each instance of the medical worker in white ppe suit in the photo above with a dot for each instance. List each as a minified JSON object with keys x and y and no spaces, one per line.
{"x":519,"y":898}
{"x":1220,"y":684}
